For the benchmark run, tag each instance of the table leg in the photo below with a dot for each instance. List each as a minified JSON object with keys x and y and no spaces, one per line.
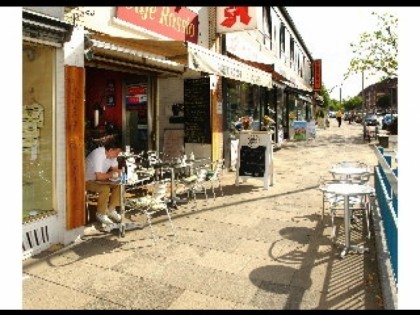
{"x":174,"y":198}
{"x":347,"y":246}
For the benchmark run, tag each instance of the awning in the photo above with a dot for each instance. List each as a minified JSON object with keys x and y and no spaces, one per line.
{"x":187,"y":54}
{"x":124,"y":56}
{"x":43,"y":29}
{"x":304,"y":98}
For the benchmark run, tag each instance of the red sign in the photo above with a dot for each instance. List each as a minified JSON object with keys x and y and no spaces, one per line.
{"x":178,"y":23}
{"x":136,"y":89}
{"x":230,"y":14}
{"x":230,"y":19}
{"x":317,"y":75}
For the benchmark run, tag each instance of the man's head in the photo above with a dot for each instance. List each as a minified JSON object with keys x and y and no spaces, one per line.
{"x":112,"y":149}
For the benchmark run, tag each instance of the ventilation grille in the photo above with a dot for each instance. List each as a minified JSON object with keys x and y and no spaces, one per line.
{"x":38,"y":236}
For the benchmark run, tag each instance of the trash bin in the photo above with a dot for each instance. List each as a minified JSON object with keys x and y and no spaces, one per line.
{"x":383,"y":141}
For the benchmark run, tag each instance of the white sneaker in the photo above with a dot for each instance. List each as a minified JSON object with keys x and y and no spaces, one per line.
{"x":103,"y":218}
{"x":114,"y":216}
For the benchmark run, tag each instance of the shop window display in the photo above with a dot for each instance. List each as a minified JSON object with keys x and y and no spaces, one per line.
{"x":37,"y":131}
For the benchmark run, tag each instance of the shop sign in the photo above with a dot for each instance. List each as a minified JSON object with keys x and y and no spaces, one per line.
{"x":136,"y":95}
{"x":178,"y":23}
{"x":317,"y":75}
{"x":232,"y":19}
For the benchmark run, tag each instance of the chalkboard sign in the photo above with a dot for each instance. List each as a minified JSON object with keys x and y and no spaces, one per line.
{"x":252,"y":161}
{"x":197,"y":111}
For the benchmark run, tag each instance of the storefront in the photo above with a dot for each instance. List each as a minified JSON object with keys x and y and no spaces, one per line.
{"x":137,"y":86}
{"x":42,"y":63}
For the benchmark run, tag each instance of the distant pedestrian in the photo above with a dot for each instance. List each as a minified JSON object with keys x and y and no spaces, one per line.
{"x":351,"y":117}
{"x":338,"y":116}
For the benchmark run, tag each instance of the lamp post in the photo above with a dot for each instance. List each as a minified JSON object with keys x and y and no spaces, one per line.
{"x":363,"y":104}
{"x":340,"y":93}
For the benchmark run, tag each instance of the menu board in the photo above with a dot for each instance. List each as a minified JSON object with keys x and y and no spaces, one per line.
{"x":252,"y":161}
{"x":197,"y":110}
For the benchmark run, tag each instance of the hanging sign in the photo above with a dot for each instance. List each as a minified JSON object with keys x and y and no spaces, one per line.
{"x":232,"y":19}
{"x":317,"y":75}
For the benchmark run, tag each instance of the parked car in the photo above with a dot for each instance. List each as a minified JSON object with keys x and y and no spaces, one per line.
{"x":331,"y":114}
{"x":386,"y":121}
{"x":371,"y":120}
{"x":358,"y":118}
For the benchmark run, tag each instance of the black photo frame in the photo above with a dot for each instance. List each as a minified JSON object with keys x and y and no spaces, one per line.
{"x":110,"y":100}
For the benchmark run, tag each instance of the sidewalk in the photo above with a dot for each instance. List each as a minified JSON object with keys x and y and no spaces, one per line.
{"x":250,"y":249}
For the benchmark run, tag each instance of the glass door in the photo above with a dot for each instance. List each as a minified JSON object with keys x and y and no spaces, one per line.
{"x":136,"y":109}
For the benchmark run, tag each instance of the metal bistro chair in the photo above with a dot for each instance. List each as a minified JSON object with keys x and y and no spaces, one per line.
{"x":194,"y":184}
{"x":153,"y":203}
{"x":214,"y":175}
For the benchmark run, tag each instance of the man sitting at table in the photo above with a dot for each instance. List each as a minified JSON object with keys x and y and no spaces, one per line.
{"x":101,"y":164}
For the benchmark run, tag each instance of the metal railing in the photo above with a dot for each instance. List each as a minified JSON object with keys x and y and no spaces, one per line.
{"x":386,"y":188}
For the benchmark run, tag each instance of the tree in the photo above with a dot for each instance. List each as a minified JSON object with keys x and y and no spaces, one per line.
{"x":325,"y":95}
{"x":353,"y":103}
{"x":376,"y":52}
{"x":335,"y":105}
{"x":384,"y":102}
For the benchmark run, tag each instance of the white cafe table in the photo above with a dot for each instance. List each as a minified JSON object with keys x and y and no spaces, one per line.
{"x":347,"y":190}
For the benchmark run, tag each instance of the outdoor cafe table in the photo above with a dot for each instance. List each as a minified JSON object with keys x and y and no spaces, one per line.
{"x":123,"y":226}
{"x":171,"y":166}
{"x":346,"y":190}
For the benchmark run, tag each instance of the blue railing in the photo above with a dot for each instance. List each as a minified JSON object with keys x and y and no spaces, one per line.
{"x":386,"y":188}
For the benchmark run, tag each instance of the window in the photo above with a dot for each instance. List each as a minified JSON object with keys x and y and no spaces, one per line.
{"x":267,"y":27}
{"x":292,"y":52}
{"x":37,"y":130}
{"x":282,"y":38}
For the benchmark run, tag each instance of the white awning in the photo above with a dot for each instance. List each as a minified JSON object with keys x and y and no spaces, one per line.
{"x":176,"y":54}
{"x":208,"y":61}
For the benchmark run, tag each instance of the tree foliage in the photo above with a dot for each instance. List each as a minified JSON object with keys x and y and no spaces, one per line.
{"x":384,"y":102}
{"x":325,"y":95}
{"x":377,"y":51}
{"x":353,"y":103}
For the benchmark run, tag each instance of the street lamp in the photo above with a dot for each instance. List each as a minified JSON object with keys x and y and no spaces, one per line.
{"x":363,"y":104}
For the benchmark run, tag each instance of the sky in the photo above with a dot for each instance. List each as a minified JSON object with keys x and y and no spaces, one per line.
{"x":327,"y":33}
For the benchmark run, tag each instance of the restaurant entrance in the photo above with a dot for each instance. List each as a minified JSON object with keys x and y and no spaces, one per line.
{"x":118,"y":104}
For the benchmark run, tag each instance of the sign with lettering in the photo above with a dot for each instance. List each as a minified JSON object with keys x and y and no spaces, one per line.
{"x":197,"y":111}
{"x":317,"y":75}
{"x":231,"y":19}
{"x":177,"y":23}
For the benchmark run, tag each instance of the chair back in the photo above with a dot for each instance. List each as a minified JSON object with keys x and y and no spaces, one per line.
{"x":201,"y":174}
{"x":218,"y":170}
{"x":359,"y":177}
{"x":357,"y":164}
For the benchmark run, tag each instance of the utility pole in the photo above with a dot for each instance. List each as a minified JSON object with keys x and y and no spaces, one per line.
{"x":363,"y":104}
{"x":340,"y":94}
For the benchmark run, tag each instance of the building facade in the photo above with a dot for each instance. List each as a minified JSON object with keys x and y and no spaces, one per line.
{"x":387,"y":89}
{"x":162,"y":78}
